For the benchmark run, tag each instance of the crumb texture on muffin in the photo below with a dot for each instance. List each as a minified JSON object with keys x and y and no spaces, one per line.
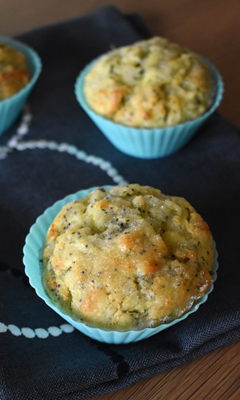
{"x":126,"y":258}
{"x":152,"y":83}
{"x":13,"y":71}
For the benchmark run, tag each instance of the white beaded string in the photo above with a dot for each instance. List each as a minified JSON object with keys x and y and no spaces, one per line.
{"x":22,"y":130}
{"x":38,"y":332}
{"x":73,"y":151}
{"x":16,"y":143}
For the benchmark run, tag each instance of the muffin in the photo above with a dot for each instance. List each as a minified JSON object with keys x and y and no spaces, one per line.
{"x":152,"y":83}
{"x":127,"y":258}
{"x":20,"y":67}
{"x":150,"y":98}
{"x":13,"y":71}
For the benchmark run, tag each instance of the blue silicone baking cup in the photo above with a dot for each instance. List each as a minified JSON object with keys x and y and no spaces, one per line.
{"x":148,"y":143}
{"x":11,"y":107}
{"x":33,"y":244}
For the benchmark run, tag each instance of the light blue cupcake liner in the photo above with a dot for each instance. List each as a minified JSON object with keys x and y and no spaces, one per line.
{"x":10,"y":108}
{"x":148,"y":143}
{"x":34,"y":242}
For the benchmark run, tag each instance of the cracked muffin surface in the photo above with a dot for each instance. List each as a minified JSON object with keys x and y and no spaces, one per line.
{"x":126,"y":258}
{"x":152,"y":83}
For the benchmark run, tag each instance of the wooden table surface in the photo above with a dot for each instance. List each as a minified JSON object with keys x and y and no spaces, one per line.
{"x":210,"y":28}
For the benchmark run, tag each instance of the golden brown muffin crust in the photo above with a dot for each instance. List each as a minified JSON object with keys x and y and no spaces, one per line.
{"x":127,"y":258}
{"x":152,"y":83}
{"x":13,"y":71}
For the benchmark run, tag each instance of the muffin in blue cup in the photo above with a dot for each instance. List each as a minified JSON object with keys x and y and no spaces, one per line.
{"x":149,"y":98}
{"x":20,"y":67}
{"x":138,"y":290}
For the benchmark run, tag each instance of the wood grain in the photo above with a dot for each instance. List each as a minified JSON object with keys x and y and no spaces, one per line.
{"x":215,"y":376}
{"x":211,"y":28}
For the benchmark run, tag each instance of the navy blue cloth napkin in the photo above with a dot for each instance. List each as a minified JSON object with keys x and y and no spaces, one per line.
{"x":40,"y":356}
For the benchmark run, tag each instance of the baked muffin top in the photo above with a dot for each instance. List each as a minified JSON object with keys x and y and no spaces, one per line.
{"x":127,"y":258}
{"x":152,"y":83}
{"x":13,"y":71}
